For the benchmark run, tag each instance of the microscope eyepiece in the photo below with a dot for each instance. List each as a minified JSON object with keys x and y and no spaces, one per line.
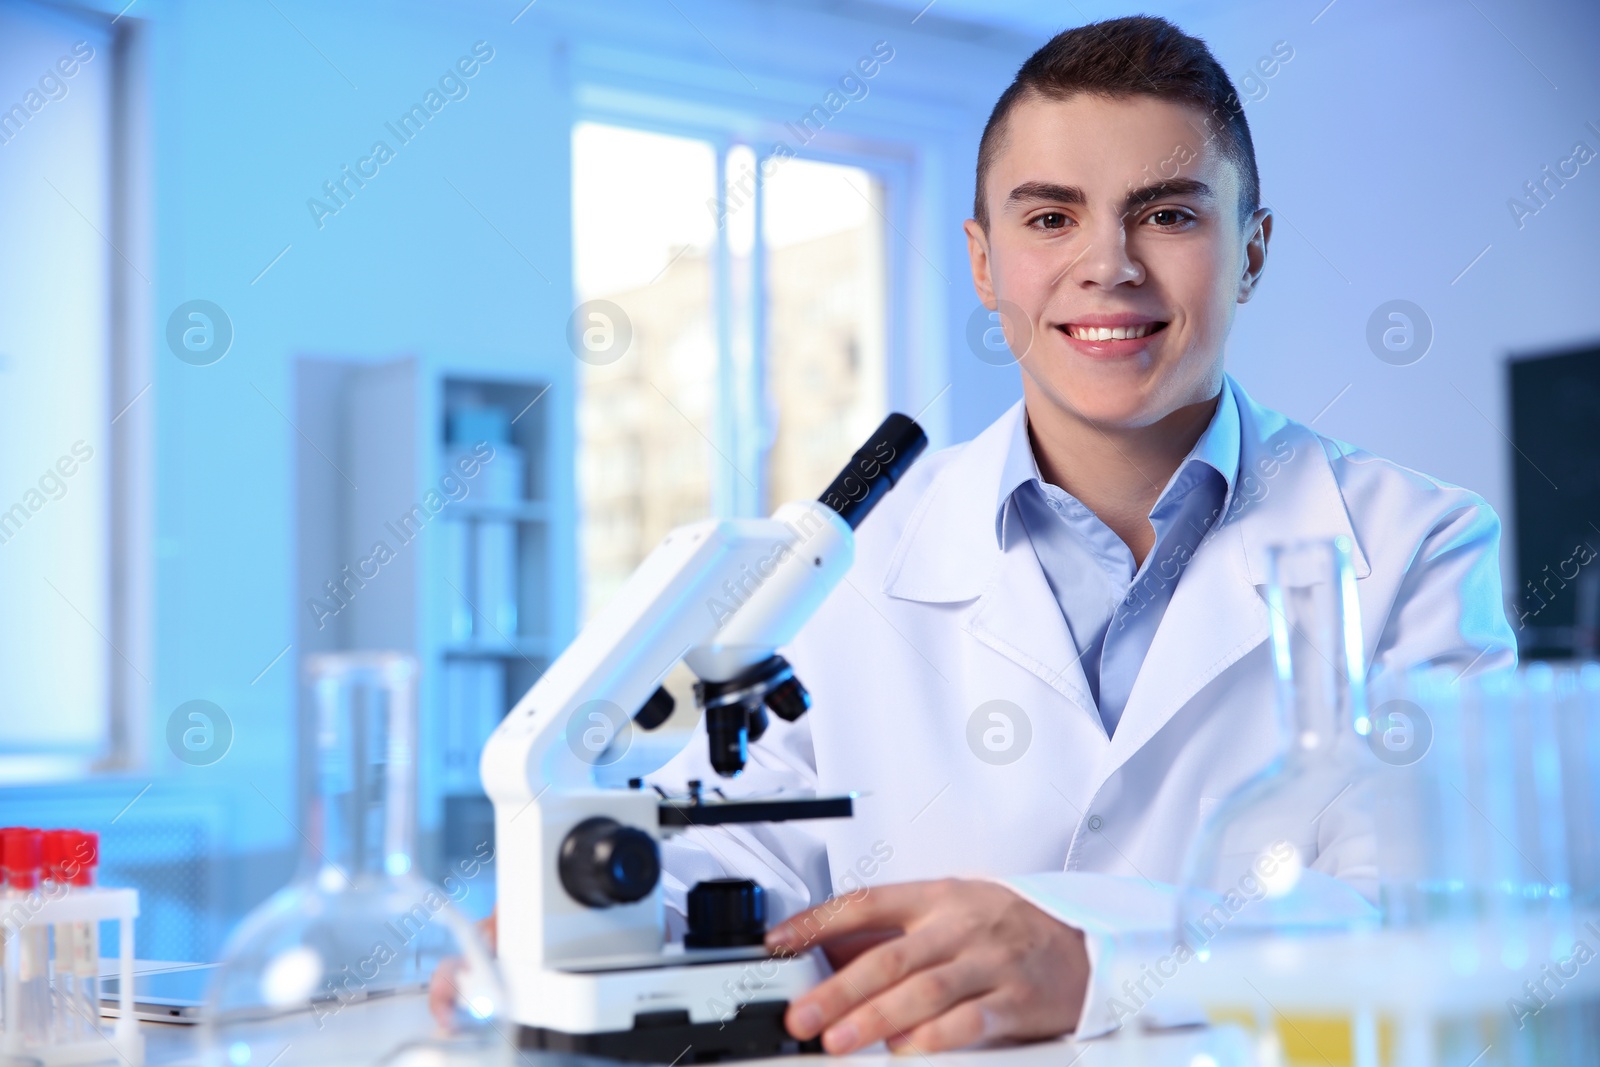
{"x":875,"y":468}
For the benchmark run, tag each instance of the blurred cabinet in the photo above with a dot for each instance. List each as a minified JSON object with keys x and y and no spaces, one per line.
{"x":495,"y":563}
{"x":1554,"y":605}
{"x":431,"y":521}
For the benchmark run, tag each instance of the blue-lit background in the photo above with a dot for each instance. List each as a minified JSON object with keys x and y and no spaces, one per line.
{"x":187,"y":161}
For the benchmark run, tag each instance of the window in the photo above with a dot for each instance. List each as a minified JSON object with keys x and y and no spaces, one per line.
{"x":64,"y":666}
{"x":825,"y":309}
{"x":645,"y":245}
{"x":731,"y":332}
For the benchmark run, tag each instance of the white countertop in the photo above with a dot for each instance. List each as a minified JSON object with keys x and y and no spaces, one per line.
{"x":169,"y":1045}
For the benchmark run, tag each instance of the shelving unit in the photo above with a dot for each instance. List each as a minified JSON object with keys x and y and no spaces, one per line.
{"x":482,"y":633}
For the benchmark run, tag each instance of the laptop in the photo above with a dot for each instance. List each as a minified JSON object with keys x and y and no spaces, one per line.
{"x":163,"y":991}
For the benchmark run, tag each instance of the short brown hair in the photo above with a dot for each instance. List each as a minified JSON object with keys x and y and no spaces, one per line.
{"x":1136,"y":56}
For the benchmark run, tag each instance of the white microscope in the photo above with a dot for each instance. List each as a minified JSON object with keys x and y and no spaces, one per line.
{"x":582,"y":935}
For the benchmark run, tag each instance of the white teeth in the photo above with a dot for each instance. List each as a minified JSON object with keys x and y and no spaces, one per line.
{"x":1109,"y":333}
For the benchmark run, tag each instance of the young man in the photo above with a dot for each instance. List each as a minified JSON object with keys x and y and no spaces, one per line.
{"x":1050,"y":658}
{"x":1051,"y":654}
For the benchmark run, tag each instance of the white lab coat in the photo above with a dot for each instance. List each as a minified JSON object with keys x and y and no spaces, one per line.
{"x":935,"y":620}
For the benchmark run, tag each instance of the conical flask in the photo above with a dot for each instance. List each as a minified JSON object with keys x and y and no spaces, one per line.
{"x":334,"y":968}
{"x":1262,"y":858}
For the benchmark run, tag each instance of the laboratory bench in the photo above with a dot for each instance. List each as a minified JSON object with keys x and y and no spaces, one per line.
{"x":169,"y":1045}
{"x":1353,"y":997}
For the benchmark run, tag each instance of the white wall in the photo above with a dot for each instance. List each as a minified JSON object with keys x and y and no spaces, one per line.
{"x":1389,"y":144}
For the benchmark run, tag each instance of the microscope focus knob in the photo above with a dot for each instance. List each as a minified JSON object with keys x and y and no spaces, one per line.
{"x":725,"y":912}
{"x":604,"y":862}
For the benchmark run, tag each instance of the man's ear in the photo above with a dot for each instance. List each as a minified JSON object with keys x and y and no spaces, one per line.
{"x":978,"y":254}
{"x":1259,"y":231}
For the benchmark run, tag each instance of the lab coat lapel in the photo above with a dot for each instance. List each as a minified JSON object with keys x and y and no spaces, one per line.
{"x":949,"y":552}
{"x":1215,"y":617}
{"x":1019,"y":617}
{"x":1285,"y":491}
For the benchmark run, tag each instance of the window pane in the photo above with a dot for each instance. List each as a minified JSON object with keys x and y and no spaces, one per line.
{"x":55,"y":456}
{"x":644,"y":226}
{"x":825,"y":320}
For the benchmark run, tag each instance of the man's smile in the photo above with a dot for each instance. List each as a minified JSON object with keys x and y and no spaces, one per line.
{"x":1111,"y":335}
{"x":1097,"y":332}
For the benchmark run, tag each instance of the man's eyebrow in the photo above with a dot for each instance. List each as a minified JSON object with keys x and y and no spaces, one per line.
{"x":1051,"y":193}
{"x":1046,"y":192}
{"x":1187,"y":188}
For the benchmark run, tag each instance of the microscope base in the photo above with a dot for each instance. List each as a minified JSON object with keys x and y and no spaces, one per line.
{"x":669,"y":1037}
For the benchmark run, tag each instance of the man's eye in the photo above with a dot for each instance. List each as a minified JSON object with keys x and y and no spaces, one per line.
{"x":1051,"y":220}
{"x":1168,"y":217}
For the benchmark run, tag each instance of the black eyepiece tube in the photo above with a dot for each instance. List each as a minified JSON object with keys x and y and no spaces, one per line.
{"x":875,"y":468}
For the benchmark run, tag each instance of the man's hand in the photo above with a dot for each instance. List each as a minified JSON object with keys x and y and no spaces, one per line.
{"x":956,"y":962}
{"x":442,"y":987}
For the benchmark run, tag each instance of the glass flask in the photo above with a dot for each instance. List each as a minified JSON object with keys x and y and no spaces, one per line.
{"x":1248,"y":864}
{"x":1500,"y":822}
{"x":335,"y":967}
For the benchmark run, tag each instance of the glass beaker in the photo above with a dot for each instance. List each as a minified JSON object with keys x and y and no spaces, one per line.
{"x":1487,"y":848}
{"x":1259,"y":843}
{"x":1496,"y":821}
{"x":1578,"y":748}
{"x":334,"y":968}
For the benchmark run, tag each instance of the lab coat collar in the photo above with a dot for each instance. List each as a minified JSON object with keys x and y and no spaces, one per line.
{"x":1285,"y":490}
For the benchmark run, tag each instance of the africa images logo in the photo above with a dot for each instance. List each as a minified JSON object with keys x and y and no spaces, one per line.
{"x":199,"y":733}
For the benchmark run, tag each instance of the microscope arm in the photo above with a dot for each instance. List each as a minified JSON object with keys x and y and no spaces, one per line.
{"x":721,"y":595}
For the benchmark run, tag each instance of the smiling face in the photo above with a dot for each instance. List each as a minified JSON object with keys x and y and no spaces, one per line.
{"x":1115,"y":254}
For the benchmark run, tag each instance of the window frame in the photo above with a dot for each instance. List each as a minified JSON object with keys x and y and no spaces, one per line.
{"x":124,"y":745}
{"x":133,"y":392}
{"x":744,"y":429}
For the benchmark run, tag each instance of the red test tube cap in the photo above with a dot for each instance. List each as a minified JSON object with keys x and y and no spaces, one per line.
{"x":83,"y":856}
{"x":22,"y":852}
{"x":53,"y":852}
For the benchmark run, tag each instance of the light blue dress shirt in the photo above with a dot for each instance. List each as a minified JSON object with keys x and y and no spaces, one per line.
{"x":1111,"y":606}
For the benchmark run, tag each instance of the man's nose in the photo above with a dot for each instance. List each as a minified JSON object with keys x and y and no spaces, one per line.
{"x":1102,"y":257}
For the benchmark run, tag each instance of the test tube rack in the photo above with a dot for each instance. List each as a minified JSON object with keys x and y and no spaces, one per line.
{"x":77,"y":905}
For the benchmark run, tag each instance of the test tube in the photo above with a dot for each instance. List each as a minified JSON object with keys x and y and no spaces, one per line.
{"x":3,"y":1021}
{"x":81,"y":868}
{"x":6,"y":1024}
{"x":53,"y":854}
{"x":22,"y":859}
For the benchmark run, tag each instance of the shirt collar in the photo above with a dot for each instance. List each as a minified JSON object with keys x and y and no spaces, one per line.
{"x":1218,"y":448}
{"x":1019,"y":469}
